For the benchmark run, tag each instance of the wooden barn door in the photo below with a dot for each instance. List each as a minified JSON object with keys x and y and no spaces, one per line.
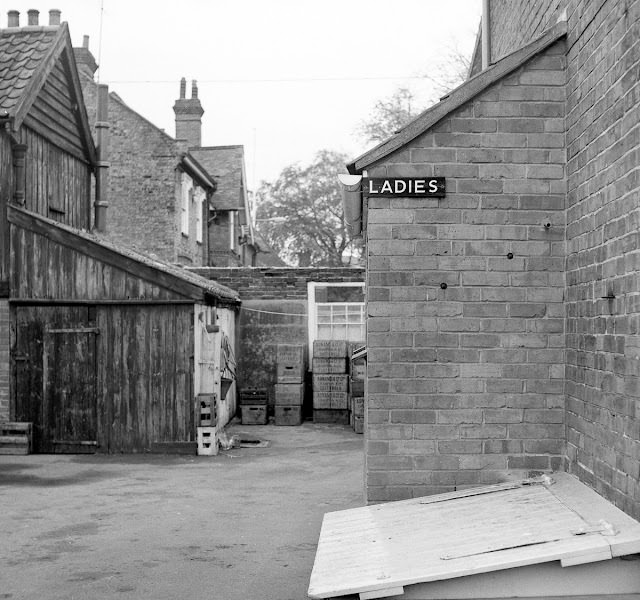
{"x":54,"y":370}
{"x":69,"y":390}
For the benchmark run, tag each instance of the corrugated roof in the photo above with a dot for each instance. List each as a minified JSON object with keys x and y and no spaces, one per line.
{"x":226,"y":165}
{"x":22,"y":51}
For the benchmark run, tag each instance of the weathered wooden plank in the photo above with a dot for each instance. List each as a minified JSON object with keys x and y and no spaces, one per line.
{"x":104,"y":376}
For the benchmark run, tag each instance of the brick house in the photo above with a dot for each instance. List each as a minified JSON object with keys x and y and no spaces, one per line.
{"x":527,"y":359}
{"x":101,"y":348}
{"x":164,"y":200}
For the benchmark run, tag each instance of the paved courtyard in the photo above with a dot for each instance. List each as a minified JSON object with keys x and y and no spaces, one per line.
{"x":239,"y":526}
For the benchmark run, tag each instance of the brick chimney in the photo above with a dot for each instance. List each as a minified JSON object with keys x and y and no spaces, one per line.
{"x":188,"y":113}
{"x":54,"y":17}
{"x":87,"y":64}
{"x":32,"y":16}
{"x":13,"y":19}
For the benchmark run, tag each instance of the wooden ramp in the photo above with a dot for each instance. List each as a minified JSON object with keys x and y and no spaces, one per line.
{"x":376,"y":551}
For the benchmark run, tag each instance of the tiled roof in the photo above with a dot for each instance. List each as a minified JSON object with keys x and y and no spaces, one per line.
{"x":225,"y":164}
{"x":22,"y":51}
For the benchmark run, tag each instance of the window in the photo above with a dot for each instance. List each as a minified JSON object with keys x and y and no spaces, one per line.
{"x":200,"y":197}
{"x":187,"y":194}
{"x":336,"y":312}
{"x":232,"y":230}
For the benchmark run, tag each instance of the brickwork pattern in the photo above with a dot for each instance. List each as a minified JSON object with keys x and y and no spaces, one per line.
{"x":603,"y":256}
{"x":144,"y":194}
{"x":466,"y":383}
{"x":4,"y":361}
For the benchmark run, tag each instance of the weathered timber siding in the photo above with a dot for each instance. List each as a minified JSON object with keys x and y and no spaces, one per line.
{"x":145,"y":376}
{"x":58,"y":185}
{"x":55,"y":114}
{"x":43,"y":268}
{"x":6,"y":192}
{"x":4,"y":360}
{"x":465,"y":384}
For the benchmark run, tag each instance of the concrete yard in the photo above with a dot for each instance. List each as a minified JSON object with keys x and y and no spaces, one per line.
{"x":242,"y":525}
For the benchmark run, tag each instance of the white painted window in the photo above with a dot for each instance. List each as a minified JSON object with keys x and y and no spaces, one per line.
{"x":232,"y":230}
{"x":200,"y":197}
{"x":186,"y":191}
{"x":336,"y":312}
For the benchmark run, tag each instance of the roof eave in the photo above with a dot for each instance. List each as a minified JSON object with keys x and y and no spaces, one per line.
{"x":457,"y":97}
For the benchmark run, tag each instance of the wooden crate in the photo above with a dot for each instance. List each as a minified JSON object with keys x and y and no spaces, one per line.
{"x":290,"y":354}
{"x":289,"y":373}
{"x":358,"y":369}
{"x":330,"y":383}
{"x":254,"y":414}
{"x":253,"y":396}
{"x":207,"y":410}
{"x":358,"y":406}
{"x":16,"y":438}
{"x":330,"y":400}
{"x":357,"y":388}
{"x":289,"y":394}
{"x":288,"y":415}
{"x":338,"y":417}
{"x":330,"y":348}
{"x":207,"y":441}
{"x":358,"y":424}
{"x":322,"y":365}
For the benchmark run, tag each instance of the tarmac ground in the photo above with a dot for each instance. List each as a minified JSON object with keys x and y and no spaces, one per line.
{"x":242,"y":525}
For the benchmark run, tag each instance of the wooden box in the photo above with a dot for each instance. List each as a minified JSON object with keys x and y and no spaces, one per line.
{"x":207,"y":441}
{"x":322,"y":365}
{"x":357,"y":388}
{"x":16,"y":438}
{"x":330,"y":383}
{"x":207,"y":410}
{"x":254,"y":414}
{"x":338,"y":417}
{"x":288,"y":415}
{"x":358,"y":424}
{"x":253,"y":396}
{"x":290,"y":354}
{"x":289,"y":394}
{"x":330,"y":348}
{"x":333,"y":400}
{"x":358,"y":406}
{"x":289,"y":373}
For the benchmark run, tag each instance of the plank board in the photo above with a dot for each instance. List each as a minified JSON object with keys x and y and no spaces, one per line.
{"x":436,"y":538}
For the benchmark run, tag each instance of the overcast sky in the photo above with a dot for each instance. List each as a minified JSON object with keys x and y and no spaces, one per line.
{"x":285,"y":78}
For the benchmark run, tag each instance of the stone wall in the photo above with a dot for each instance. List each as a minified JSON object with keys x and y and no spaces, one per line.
{"x":465,"y":384}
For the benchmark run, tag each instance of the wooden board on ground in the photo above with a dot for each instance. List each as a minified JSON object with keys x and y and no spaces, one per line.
{"x":376,"y":551}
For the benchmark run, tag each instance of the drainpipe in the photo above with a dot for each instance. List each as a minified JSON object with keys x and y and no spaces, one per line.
{"x":486,"y":34}
{"x":102,"y":147}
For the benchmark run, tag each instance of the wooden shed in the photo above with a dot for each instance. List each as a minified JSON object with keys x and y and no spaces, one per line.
{"x":109,"y":349}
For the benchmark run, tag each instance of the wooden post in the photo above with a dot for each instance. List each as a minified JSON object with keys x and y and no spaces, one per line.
{"x":102,"y":173}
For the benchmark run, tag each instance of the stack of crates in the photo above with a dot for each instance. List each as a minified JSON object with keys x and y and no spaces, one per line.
{"x":253,"y":406}
{"x":358,"y":372}
{"x":330,"y":382}
{"x":289,"y":388}
{"x":207,"y":421}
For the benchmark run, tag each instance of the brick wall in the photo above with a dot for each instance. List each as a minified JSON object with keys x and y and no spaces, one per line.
{"x":274,"y":311}
{"x":144,"y":192}
{"x":4,"y":360}
{"x":603,"y":256}
{"x":465,"y":384}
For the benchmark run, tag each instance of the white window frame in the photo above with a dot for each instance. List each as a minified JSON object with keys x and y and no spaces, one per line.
{"x":186,"y":189}
{"x":312,"y":308}
{"x":200,"y":196}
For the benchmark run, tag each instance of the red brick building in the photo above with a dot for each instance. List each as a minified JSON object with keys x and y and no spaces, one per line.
{"x":527,"y":360}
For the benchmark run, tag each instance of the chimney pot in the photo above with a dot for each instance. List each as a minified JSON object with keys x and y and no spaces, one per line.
{"x":33,"y":16}
{"x":14,"y":18}
{"x":54,"y":17}
{"x":183,"y":88}
{"x":85,"y":41}
{"x":194,"y":89}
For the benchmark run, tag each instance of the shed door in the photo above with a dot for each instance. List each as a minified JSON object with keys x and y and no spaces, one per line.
{"x":69,"y":390}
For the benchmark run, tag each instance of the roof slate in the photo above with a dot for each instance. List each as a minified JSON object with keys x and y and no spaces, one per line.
{"x":225,"y":164}
{"x":21,"y":53}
